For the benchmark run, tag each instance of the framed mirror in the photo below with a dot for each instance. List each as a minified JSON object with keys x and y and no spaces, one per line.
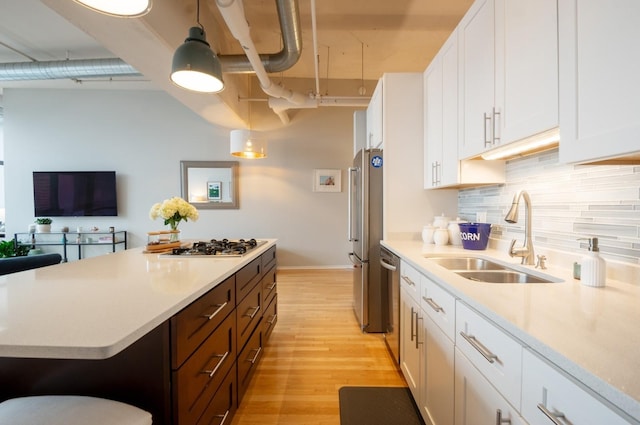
{"x":210,"y":184}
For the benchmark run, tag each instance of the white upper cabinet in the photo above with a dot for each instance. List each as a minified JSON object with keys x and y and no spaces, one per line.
{"x":599,"y":90}
{"x":442,"y":166}
{"x":375,"y":118}
{"x":508,"y":76}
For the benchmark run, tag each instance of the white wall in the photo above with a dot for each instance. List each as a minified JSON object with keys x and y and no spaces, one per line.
{"x":143,"y":136}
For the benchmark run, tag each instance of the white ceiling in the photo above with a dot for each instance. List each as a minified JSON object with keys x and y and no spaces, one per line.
{"x":357,"y":40}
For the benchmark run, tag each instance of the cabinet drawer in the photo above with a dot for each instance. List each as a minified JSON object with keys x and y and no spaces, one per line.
{"x":198,"y":379}
{"x":223,"y":405}
{"x":440,"y":306}
{"x":195,"y":323}
{"x":248,"y":315}
{"x":269,"y":286}
{"x":247,"y":360}
{"x":547,"y":391}
{"x":247,"y":277}
{"x":269,"y":259}
{"x":270,"y":317}
{"x":410,"y":278}
{"x":496,"y":355}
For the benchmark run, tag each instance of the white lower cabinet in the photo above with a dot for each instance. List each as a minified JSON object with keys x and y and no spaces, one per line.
{"x":411,"y":336}
{"x":477,"y":402}
{"x":437,"y":391}
{"x":548,"y":396}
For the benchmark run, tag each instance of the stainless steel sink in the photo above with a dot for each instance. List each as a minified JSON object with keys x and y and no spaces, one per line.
{"x":502,"y":276}
{"x":483,"y":270}
{"x":466,"y":263}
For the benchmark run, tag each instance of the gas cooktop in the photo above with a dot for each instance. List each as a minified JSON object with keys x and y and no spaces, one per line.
{"x":215,"y":247}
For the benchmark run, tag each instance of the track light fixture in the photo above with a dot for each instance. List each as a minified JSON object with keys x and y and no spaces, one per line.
{"x":195,"y":67}
{"x":118,"y":8}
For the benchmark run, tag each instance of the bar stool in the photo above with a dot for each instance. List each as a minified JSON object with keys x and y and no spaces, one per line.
{"x":70,"y":410}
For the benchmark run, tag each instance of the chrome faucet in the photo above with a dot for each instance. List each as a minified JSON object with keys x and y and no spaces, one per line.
{"x":525,"y":251}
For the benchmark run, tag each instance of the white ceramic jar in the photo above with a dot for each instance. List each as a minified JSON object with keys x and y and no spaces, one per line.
{"x":454,"y":232}
{"x":441,"y":221}
{"x":427,"y":233}
{"x":441,"y":237}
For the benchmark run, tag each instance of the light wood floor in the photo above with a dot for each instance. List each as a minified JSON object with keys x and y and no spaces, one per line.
{"x":315,"y":348}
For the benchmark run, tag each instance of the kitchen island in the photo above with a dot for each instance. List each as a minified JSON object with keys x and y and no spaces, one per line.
{"x":109,"y":326}
{"x":589,"y":334}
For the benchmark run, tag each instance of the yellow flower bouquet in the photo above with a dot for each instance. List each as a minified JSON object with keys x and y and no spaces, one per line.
{"x":173,"y":211}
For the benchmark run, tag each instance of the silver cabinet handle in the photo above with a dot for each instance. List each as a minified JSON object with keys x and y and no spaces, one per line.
{"x":499,"y":420}
{"x":412,"y":313}
{"x":417,"y":331}
{"x":496,"y":115}
{"x":433,"y":305}
{"x":270,"y":287}
{"x":486,"y":353}
{"x":553,"y":416}
{"x":253,"y":313}
{"x":387,"y":265}
{"x":224,"y":417}
{"x":408,"y":280}
{"x":257,"y":350}
{"x":487,"y":140}
{"x":212,"y":372}
{"x":438,"y":173}
{"x":273,"y":319}
{"x":218,"y":310}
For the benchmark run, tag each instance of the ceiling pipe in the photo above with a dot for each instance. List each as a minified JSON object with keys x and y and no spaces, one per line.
{"x":289,"y":18}
{"x":63,"y":69}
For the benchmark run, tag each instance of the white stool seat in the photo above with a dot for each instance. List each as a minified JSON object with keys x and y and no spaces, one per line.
{"x":70,"y":410}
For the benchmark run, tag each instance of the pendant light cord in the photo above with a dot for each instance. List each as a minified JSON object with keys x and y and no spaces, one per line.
{"x":198,"y":15}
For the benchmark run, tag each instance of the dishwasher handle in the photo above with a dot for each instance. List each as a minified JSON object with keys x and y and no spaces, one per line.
{"x":388,"y":265}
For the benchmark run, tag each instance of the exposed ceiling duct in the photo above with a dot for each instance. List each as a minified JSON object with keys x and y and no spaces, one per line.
{"x":63,"y":69}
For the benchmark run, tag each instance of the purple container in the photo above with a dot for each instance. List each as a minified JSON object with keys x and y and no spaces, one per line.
{"x":475,"y":235}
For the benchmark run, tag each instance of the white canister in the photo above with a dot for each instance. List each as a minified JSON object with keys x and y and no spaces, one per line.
{"x":454,"y":232}
{"x":427,"y":233}
{"x":441,"y":237}
{"x":441,"y":221}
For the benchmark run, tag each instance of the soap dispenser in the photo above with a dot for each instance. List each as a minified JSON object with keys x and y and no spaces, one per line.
{"x":593,"y":268}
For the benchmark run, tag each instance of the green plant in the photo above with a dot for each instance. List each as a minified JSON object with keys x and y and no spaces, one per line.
{"x":43,"y":221}
{"x":8,"y":249}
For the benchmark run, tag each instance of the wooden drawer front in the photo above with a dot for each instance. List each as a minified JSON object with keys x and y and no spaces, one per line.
{"x":269,"y":286}
{"x":223,"y":405}
{"x":270,"y":317}
{"x":440,"y":306}
{"x":195,"y":323}
{"x":248,"y":314}
{"x":247,"y":359}
{"x":199,"y":378}
{"x":547,"y":393}
{"x":247,"y":277}
{"x":410,"y":279}
{"x":496,"y":355}
{"x":269,"y":259}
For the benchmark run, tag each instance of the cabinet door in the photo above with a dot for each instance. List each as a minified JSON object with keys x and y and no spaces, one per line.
{"x":437,"y":392}
{"x":547,"y":393}
{"x":411,"y":330}
{"x":433,"y":123}
{"x":526,"y":68}
{"x":449,"y":174}
{"x":476,"y":78}
{"x":599,"y":68}
{"x":374,"y":118}
{"x":476,"y":401}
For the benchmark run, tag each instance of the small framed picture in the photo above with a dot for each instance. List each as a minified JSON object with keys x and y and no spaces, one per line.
{"x":214,"y":191}
{"x":327,"y":180}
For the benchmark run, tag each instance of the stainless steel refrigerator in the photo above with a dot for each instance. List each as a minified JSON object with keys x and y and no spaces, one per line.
{"x":370,"y":298}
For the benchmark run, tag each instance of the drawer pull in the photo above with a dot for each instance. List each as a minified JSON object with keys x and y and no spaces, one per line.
{"x":257,"y":350}
{"x":219,"y":308}
{"x":553,"y":417}
{"x":222,"y":358}
{"x":412,"y":333}
{"x":479,"y":347}
{"x":433,"y":305}
{"x":270,"y":287}
{"x":499,"y":420}
{"x":408,"y":280}
{"x":224,"y":417}
{"x":273,"y":319}
{"x":252,"y":314}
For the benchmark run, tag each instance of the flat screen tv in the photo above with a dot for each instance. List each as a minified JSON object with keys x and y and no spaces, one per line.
{"x":74,"y":193}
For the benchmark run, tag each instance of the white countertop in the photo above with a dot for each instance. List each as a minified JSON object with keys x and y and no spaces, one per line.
{"x":591,"y":333}
{"x":96,"y":307}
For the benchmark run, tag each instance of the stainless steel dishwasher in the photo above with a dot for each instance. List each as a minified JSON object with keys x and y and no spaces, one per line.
{"x":391,"y":277}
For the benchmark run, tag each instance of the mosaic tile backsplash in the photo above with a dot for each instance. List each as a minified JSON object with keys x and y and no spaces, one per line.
{"x":568,"y":202}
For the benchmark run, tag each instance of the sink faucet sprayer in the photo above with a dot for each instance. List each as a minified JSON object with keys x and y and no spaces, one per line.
{"x":526,"y":251}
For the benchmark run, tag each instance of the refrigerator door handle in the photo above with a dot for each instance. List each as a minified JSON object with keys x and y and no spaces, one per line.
{"x":354,"y":259}
{"x":350,"y":235}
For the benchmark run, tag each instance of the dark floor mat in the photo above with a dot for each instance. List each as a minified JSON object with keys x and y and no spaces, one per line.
{"x":378,"y":406}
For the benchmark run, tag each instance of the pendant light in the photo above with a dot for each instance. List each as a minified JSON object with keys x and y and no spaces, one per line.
{"x":118,"y":8}
{"x":248,"y":144}
{"x":195,"y":67}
